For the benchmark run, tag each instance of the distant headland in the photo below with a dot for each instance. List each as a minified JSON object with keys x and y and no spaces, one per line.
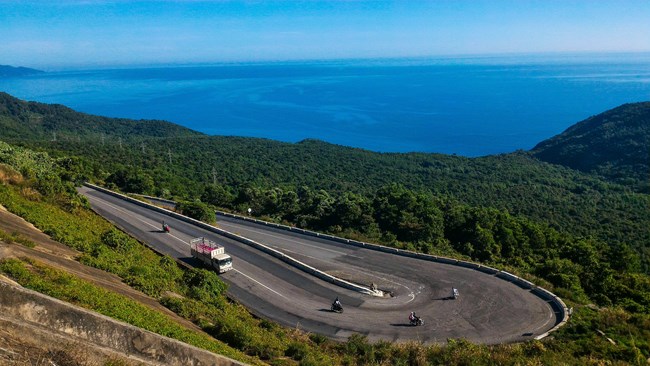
{"x":7,"y":71}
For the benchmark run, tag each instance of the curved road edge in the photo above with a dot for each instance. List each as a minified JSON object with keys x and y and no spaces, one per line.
{"x":555,"y":301}
{"x":275,"y":253}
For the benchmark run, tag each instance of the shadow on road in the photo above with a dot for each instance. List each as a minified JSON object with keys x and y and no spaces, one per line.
{"x":191,"y":261}
{"x":401,"y":325}
{"x":444,"y":298}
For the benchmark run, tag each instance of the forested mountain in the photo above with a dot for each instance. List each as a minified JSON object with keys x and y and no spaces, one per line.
{"x":584,"y":237}
{"x":40,"y":189}
{"x":187,"y":165}
{"x":20,"y":120}
{"x":11,"y":71}
{"x":614,"y":144}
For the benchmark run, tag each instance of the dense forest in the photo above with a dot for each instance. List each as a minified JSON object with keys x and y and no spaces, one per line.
{"x":614,"y":144}
{"x":41,"y":189}
{"x":581,"y":235}
{"x":53,"y":122}
{"x":166,"y":160}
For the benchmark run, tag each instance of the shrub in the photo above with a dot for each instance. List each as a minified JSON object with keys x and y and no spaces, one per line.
{"x":118,"y":240}
{"x":204,"y":285}
{"x":198,"y":211}
{"x":297,"y":350}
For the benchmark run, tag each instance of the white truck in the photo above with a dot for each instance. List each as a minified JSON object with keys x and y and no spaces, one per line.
{"x":211,"y":253}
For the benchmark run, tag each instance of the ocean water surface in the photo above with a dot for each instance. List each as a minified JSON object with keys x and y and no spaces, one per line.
{"x":465,"y":106}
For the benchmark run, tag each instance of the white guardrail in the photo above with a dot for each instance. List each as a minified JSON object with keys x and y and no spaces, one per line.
{"x":275,"y":253}
{"x":556,"y":303}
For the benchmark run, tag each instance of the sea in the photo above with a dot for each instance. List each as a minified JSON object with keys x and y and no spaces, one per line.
{"x":469,"y":106}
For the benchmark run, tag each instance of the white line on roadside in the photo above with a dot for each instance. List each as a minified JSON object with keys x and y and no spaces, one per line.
{"x":119,"y":209}
{"x":127,"y":213}
{"x":550,"y":315}
{"x":259,"y":283}
{"x":284,"y":238}
{"x":411,"y":293}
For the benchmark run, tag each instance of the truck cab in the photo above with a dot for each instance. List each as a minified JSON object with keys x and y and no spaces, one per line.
{"x":222,"y":262}
{"x":211,"y":254}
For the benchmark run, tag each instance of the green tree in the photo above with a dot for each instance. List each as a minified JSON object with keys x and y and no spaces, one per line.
{"x":316,"y":208}
{"x":411,"y":217}
{"x":217,"y":195}
{"x":563,"y":273}
{"x":353,"y":211}
{"x":197,"y":210}
{"x":132,"y":181}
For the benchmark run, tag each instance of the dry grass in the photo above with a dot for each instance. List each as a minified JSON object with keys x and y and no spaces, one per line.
{"x":30,"y":194}
{"x":9,"y":175}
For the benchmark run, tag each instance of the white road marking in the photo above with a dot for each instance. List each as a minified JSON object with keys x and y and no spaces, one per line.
{"x":550,"y":315}
{"x":284,"y":238}
{"x":127,"y":213}
{"x":259,"y":283}
{"x":411,"y":294}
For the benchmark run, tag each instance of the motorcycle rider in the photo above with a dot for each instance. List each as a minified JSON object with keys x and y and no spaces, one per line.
{"x":336,"y":306}
{"x":454,"y":292}
{"x":414,"y":319}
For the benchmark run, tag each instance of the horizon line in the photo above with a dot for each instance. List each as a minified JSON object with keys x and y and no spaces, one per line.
{"x":441,"y":57}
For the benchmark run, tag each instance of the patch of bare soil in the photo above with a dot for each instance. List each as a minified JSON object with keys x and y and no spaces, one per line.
{"x":18,"y":350}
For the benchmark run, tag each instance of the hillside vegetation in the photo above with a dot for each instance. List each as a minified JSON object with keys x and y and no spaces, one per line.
{"x":614,"y":144}
{"x":581,"y":236}
{"x":167,"y":160}
{"x":20,"y":120}
{"x":40,"y":189}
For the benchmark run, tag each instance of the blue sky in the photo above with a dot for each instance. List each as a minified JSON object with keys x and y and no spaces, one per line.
{"x":60,"y":34}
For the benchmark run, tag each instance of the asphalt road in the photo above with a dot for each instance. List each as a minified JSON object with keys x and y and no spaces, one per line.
{"x":489,"y":310}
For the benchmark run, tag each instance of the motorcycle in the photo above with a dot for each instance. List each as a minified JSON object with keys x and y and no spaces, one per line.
{"x":338,"y":308}
{"x":416,"y":321}
{"x":166,"y":228}
{"x":454,"y":293}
